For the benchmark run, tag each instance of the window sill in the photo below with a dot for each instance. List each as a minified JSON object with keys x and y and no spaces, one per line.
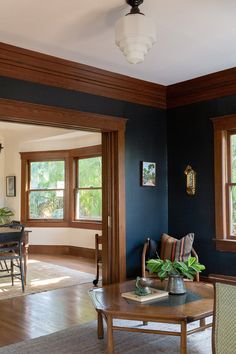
{"x":92,"y":225}
{"x":225,"y":245}
{"x":42,"y":223}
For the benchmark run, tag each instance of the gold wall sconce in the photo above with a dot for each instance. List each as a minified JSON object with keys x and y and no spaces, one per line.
{"x":190,"y":180}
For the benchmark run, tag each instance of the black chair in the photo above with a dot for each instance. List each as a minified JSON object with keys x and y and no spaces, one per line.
{"x":11,"y":236}
{"x":98,"y":257}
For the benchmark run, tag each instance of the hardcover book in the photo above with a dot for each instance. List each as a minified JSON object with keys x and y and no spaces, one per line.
{"x":155,"y":294}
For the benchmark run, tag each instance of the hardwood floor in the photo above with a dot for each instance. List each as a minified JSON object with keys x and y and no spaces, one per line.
{"x":34,"y":315}
{"x":73,"y":262}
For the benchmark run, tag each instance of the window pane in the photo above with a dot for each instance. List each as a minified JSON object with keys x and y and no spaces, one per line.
{"x":90,"y":172}
{"x":233,"y":158}
{"x":233,"y":211}
{"x":46,"y":205}
{"x":89,"y":204}
{"x":47,"y":175}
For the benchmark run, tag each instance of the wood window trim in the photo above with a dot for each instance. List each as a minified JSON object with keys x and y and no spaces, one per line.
{"x":69,"y":157}
{"x":26,"y":158}
{"x":78,"y":154}
{"x":223,"y":127}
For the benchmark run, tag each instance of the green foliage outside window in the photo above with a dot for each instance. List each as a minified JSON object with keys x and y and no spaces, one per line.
{"x":89,"y":193}
{"x":46,"y":199}
{"x":233,"y":188}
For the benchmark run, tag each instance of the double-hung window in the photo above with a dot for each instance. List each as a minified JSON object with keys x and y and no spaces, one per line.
{"x":231,"y":185}
{"x":46,"y":190}
{"x":225,"y":182}
{"x":88,"y":195}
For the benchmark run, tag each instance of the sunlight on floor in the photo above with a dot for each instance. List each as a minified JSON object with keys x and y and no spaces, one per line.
{"x":43,"y":276}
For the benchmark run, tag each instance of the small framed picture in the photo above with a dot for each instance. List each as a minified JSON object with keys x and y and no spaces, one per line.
{"x":148,"y":175}
{"x":11,"y":186}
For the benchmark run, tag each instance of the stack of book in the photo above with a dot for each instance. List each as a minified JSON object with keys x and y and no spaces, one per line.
{"x":154,"y":295}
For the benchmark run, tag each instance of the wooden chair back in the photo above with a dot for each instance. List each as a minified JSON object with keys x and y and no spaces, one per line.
{"x":144,"y":259}
{"x":98,"y":257}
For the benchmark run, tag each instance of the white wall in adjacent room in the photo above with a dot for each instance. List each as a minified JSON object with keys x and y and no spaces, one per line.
{"x":2,"y":174}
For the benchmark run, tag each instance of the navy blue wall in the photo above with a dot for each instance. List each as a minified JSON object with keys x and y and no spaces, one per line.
{"x":146,"y":209}
{"x":190,"y":141}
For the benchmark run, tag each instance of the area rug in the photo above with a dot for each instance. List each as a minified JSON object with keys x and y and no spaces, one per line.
{"x":83,"y":340}
{"x":43,"y":276}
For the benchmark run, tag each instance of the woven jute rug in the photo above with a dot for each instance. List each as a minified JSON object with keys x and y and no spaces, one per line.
{"x":83,"y":339}
{"x":43,"y":276}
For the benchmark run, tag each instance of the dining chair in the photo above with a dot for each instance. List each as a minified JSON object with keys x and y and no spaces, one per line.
{"x":224,"y":318}
{"x":98,"y":257}
{"x":11,"y":236}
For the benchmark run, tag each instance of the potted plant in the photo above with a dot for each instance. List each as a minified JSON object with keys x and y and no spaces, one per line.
{"x":175,"y":271}
{"x":5,"y":215}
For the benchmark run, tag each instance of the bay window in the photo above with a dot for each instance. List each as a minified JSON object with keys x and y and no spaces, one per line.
{"x":62,"y":188}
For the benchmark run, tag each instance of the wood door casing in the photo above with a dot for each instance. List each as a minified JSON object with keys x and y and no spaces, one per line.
{"x":113,"y":150}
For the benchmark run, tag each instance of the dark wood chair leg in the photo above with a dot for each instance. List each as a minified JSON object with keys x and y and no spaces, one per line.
{"x":12,"y":273}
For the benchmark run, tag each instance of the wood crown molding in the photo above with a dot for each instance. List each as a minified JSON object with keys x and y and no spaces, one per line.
{"x":40,"y":68}
{"x":28,"y":65}
{"x":207,"y":87}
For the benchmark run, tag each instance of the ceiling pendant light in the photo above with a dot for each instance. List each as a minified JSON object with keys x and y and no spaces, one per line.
{"x":135,"y":33}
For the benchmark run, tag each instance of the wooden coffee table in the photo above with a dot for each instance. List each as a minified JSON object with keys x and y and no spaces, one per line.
{"x":197,"y":304}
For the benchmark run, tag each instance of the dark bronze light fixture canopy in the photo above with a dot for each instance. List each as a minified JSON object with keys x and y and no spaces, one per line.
{"x":134,"y":4}
{"x":1,"y":147}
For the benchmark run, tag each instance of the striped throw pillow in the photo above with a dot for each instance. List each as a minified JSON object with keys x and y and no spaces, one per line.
{"x":174,"y":249}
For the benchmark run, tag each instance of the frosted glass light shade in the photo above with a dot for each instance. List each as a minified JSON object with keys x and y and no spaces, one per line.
{"x":135,"y":35}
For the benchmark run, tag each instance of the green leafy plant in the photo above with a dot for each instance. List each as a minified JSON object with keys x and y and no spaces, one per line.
{"x":164,"y":268}
{"x":5,"y":215}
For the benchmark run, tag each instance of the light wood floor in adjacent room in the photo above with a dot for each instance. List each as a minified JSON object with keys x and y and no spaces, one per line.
{"x":34,"y":315}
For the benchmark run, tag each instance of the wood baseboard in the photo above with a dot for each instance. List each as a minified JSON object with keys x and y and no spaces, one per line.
{"x":212,"y":278}
{"x":62,"y":250}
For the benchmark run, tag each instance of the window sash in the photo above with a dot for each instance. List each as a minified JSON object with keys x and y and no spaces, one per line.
{"x":46,"y":160}
{"x":47,"y":218}
{"x":78,"y":188}
{"x":42,"y":190}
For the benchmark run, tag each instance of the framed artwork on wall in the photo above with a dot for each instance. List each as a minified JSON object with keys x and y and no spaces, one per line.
{"x":11,"y":186}
{"x":148,"y":174}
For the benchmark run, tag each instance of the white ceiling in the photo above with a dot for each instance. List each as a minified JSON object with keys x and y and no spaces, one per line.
{"x":40,"y":133}
{"x":194,"y":37}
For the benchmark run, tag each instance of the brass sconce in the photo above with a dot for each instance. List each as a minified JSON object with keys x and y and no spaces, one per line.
{"x":190,"y":180}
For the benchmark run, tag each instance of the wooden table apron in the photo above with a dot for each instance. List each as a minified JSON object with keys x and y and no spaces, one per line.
{"x":110,"y":305}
